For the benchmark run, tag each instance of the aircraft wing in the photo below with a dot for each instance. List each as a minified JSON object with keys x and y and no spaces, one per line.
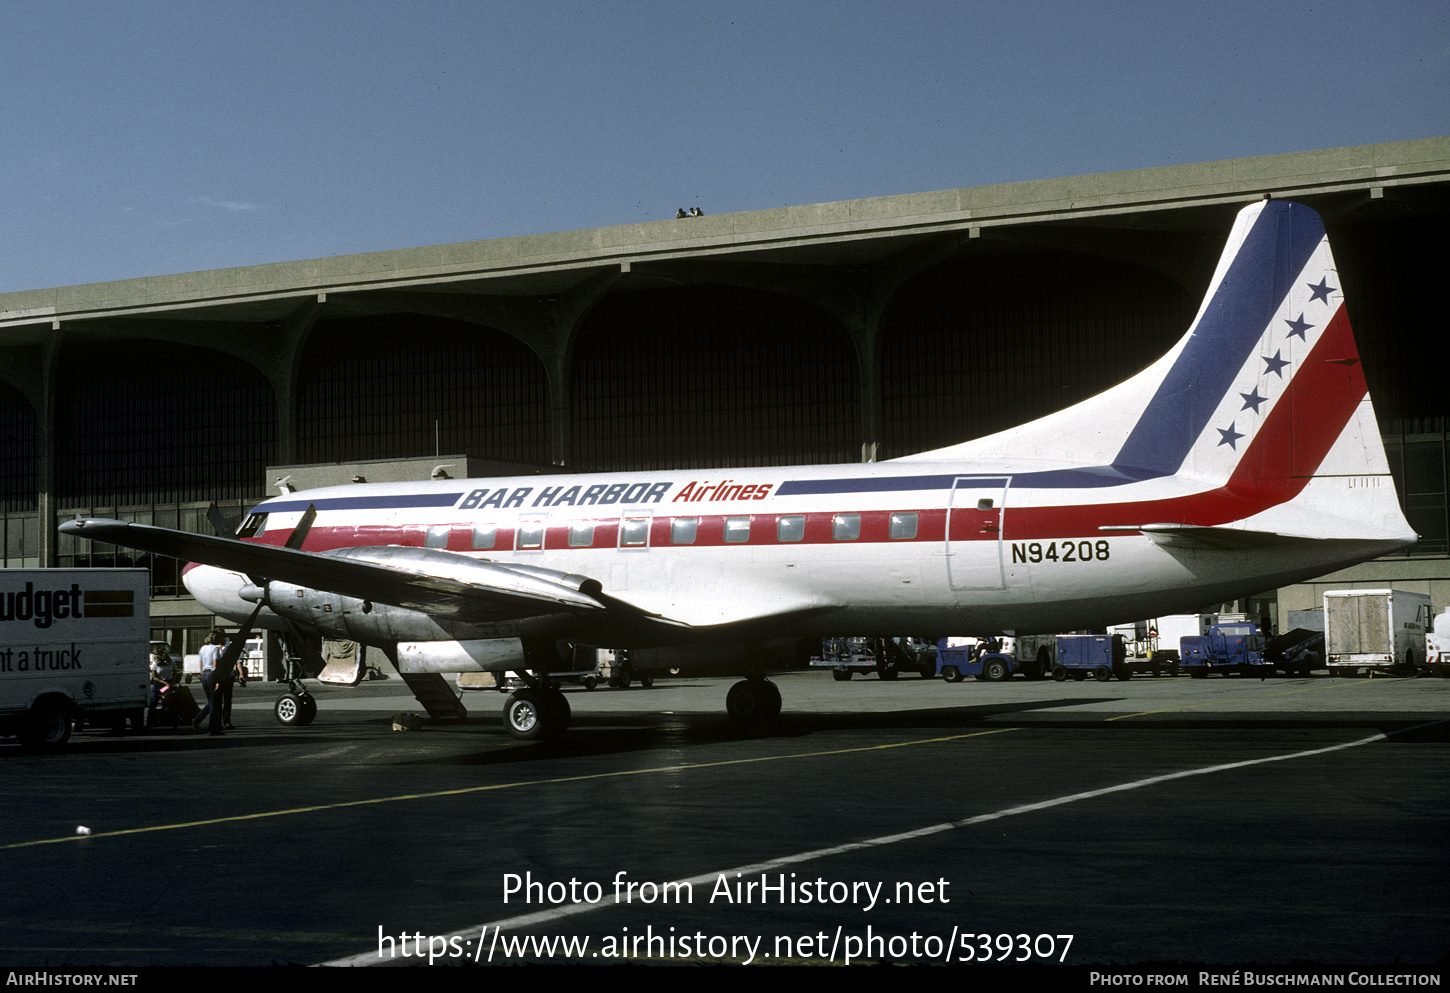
{"x":435,"y":582}
{"x":438,"y":583}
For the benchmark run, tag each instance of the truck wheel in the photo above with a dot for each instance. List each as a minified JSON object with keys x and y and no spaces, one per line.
{"x":646,"y":678}
{"x":887,"y":673}
{"x":840,"y":675}
{"x":951,"y":674}
{"x":1102,"y":674}
{"x":45,"y":729}
{"x":1059,"y":673}
{"x":995,"y":670}
{"x":1123,"y":672}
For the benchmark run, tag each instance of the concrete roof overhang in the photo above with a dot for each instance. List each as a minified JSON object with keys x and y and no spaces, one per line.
{"x":1148,"y":208}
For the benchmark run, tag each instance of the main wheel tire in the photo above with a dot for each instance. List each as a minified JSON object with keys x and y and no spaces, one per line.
{"x":995,"y":670}
{"x":530,"y":715}
{"x":291,"y":711}
{"x":751,"y":701}
{"x":309,"y":710}
{"x":45,"y":729}
{"x":1059,"y":673}
{"x":951,"y":674}
{"x":772,"y":700}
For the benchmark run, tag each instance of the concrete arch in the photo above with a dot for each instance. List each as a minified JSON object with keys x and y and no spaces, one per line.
{"x":144,"y":422}
{"x":712,"y":376}
{"x":401,"y":385}
{"x":977,"y":345}
{"x":19,"y":450}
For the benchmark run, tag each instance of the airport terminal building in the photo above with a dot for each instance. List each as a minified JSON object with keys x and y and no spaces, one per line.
{"x":841,"y":332}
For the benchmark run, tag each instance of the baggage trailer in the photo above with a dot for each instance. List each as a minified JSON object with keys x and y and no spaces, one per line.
{"x":887,"y":657}
{"x":1233,"y":646}
{"x":1375,"y":629}
{"x":1104,"y":656}
{"x":74,"y":651}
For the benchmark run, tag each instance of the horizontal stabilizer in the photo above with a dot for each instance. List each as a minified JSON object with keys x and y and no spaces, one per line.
{"x":1191,"y":536}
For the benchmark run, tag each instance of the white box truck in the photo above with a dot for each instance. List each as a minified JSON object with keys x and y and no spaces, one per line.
{"x":74,"y":647}
{"x":1375,"y":629}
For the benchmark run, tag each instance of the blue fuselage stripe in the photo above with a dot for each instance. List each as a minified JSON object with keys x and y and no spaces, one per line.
{"x":396,"y":501}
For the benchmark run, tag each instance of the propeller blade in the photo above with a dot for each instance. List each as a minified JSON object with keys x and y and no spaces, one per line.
{"x":299,"y":533}
{"x":234,"y":648}
{"x":219,"y":522}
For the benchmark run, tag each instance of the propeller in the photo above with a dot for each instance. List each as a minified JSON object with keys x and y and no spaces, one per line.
{"x":294,"y":541}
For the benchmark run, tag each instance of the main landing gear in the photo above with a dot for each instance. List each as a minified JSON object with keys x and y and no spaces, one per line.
{"x":753,"y":701}
{"x":535,"y":712}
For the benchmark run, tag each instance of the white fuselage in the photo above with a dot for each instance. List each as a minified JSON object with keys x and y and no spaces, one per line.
{"x":887,"y":548}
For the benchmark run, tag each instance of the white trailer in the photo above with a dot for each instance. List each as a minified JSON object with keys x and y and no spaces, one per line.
{"x":1375,"y":629}
{"x":74,"y":648}
{"x":1437,"y":646}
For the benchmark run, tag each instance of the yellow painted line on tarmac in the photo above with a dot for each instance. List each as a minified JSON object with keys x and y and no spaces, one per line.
{"x":1241,"y":699}
{"x":462,"y":791}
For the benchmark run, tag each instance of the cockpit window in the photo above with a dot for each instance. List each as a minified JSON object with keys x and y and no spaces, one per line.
{"x":254,"y":525}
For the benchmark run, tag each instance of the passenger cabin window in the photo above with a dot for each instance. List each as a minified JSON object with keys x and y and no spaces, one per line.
{"x":484,"y":535}
{"x":581,"y":535}
{"x":903,"y":525}
{"x":846,"y":527}
{"x":791,"y":527}
{"x":737,"y":530}
{"x":437,"y":536}
{"x":531,"y":534}
{"x":682,"y":530}
{"x":634,"y":532}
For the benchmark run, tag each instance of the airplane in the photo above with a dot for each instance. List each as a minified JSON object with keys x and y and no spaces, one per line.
{"x":1247,"y":457}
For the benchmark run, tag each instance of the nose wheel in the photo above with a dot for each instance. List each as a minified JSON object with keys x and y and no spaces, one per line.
{"x":295,"y":709}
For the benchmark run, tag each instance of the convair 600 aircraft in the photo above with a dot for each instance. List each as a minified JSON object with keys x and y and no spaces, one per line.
{"x":1246,"y":458}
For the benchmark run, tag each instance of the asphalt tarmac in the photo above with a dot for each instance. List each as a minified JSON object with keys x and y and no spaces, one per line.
{"x":1208,"y":824}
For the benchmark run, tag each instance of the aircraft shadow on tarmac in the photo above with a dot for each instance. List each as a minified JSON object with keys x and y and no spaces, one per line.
{"x":619,"y":732}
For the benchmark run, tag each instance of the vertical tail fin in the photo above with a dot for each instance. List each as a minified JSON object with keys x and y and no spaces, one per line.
{"x":1264,"y":397}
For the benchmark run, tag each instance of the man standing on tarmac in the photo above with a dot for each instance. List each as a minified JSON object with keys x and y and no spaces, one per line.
{"x":222,"y":677}
{"x":209,"y":655}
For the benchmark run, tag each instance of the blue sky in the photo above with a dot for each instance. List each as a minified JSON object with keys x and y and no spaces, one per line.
{"x":143,"y":138}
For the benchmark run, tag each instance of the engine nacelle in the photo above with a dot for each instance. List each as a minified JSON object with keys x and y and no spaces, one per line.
{"x":355,"y":619}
